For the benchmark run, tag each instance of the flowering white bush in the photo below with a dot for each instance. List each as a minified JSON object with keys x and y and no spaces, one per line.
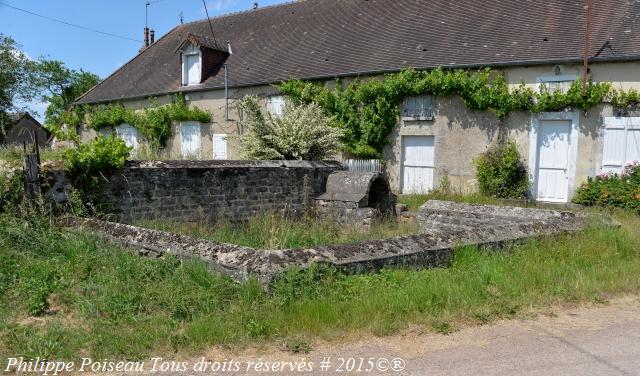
{"x":303,"y":132}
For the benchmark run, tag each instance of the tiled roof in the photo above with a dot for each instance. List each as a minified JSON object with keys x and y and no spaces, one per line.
{"x":312,"y":39}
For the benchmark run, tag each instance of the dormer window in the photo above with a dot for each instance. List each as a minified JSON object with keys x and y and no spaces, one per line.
{"x":191,"y":66}
{"x":201,"y":58}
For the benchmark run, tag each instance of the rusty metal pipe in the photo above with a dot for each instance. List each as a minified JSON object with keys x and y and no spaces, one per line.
{"x":585,"y":70}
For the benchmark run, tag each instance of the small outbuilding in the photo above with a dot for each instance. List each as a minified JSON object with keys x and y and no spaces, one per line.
{"x":24,"y":128}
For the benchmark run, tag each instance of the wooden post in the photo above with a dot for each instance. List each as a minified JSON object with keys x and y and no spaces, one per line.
{"x":31,"y":172}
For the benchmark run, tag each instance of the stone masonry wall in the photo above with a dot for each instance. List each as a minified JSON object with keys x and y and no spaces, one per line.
{"x":213,"y":190}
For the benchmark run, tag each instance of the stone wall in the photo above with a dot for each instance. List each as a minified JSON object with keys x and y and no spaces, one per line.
{"x":213,"y":190}
{"x":443,"y":226}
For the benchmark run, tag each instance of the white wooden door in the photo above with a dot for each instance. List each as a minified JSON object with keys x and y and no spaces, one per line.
{"x":190,"y":140}
{"x":552,"y":175}
{"x":219,"y":146}
{"x":418,"y":164}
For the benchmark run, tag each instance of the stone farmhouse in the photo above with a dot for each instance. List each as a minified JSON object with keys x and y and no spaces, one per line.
{"x":538,"y":43}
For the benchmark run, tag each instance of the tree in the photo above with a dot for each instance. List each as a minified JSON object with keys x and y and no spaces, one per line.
{"x":16,"y":86}
{"x":60,"y":86}
{"x":303,"y":132}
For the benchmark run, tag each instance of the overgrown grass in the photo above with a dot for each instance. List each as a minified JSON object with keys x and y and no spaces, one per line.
{"x":66,"y":294}
{"x":274,"y":231}
{"x":12,"y":155}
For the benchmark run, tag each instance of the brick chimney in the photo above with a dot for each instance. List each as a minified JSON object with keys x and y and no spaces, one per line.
{"x":146,"y":38}
{"x":152,"y":36}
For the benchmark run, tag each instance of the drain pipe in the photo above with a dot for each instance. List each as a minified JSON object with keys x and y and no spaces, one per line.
{"x":226,"y":93}
{"x":226,"y":84}
{"x":585,"y":70}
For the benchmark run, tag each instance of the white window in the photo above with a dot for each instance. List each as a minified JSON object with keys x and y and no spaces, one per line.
{"x":129,"y":134}
{"x":191,"y":66}
{"x":560,"y":83}
{"x":190,"y":140}
{"x":621,"y":144}
{"x":418,"y":108}
{"x":275,"y":105}
{"x":219,"y":146}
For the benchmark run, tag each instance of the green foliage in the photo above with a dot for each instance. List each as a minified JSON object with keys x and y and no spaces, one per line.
{"x":501,"y":173}
{"x":16,"y":85}
{"x":623,"y":100}
{"x":153,"y":123}
{"x":277,"y":231}
{"x":368,"y":110}
{"x":97,"y":156}
{"x":11,"y":189}
{"x":160,"y":307}
{"x":303,"y":132}
{"x":612,"y":190}
{"x":61,"y":86}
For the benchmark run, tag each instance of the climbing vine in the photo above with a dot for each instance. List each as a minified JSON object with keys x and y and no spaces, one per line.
{"x":368,"y":110}
{"x":153,"y":123}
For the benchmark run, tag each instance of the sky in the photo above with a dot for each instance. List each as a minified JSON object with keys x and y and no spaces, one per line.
{"x":95,"y":52}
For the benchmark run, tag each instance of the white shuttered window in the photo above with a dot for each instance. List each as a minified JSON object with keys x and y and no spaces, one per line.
{"x":129,"y":134}
{"x":621,"y":143}
{"x":275,"y":105}
{"x":418,"y":108}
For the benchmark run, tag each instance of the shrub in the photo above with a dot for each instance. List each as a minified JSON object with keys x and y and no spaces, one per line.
{"x":98,"y":155}
{"x":612,"y":190}
{"x":11,"y":189}
{"x":501,"y":173}
{"x":302,"y":133}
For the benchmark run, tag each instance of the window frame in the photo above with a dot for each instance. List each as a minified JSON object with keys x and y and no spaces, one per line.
{"x":119,"y":132}
{"x":190,"y":50}
{"x":270,"y":102}
{"x":195,"y":124}
{"x":627,"y":124}
{"x":224,"y":137}
{"x":542,"y":80}
{"x":428,"y":117}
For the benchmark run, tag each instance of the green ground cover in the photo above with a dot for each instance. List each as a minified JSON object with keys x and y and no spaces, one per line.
{"x":68,"y":294}
{"x":273,"y":231}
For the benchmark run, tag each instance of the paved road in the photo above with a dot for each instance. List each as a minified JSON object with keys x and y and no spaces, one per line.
{"x":584,"y":341}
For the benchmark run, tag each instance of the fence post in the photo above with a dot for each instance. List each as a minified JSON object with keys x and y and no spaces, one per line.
{"x":31,"y":172}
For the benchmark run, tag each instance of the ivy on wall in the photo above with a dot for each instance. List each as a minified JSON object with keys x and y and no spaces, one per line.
{"x":369,"y":110}
{"x":153,"y":123}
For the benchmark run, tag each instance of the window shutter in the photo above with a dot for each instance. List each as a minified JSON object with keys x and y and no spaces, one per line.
{"x":129,"y":134}
{"x":418,"y":108}
{"x":275,"y":105}
{"x":219,"y":146}
{"x":633,"y":146}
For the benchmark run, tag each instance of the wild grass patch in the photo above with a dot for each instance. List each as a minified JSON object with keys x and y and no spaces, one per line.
{"x":275,"y":231}
{"x":107,"y":302}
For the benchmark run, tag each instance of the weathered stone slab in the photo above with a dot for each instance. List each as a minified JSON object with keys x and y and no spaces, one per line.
{"x":489,"y":223}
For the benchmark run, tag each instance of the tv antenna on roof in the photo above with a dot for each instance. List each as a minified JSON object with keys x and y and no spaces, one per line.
{"x":146,"y":10}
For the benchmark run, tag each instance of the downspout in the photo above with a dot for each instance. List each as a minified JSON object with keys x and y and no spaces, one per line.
{"x":226,"y":84}
{"x":585,"y":70}
{"x":226,"y":93}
